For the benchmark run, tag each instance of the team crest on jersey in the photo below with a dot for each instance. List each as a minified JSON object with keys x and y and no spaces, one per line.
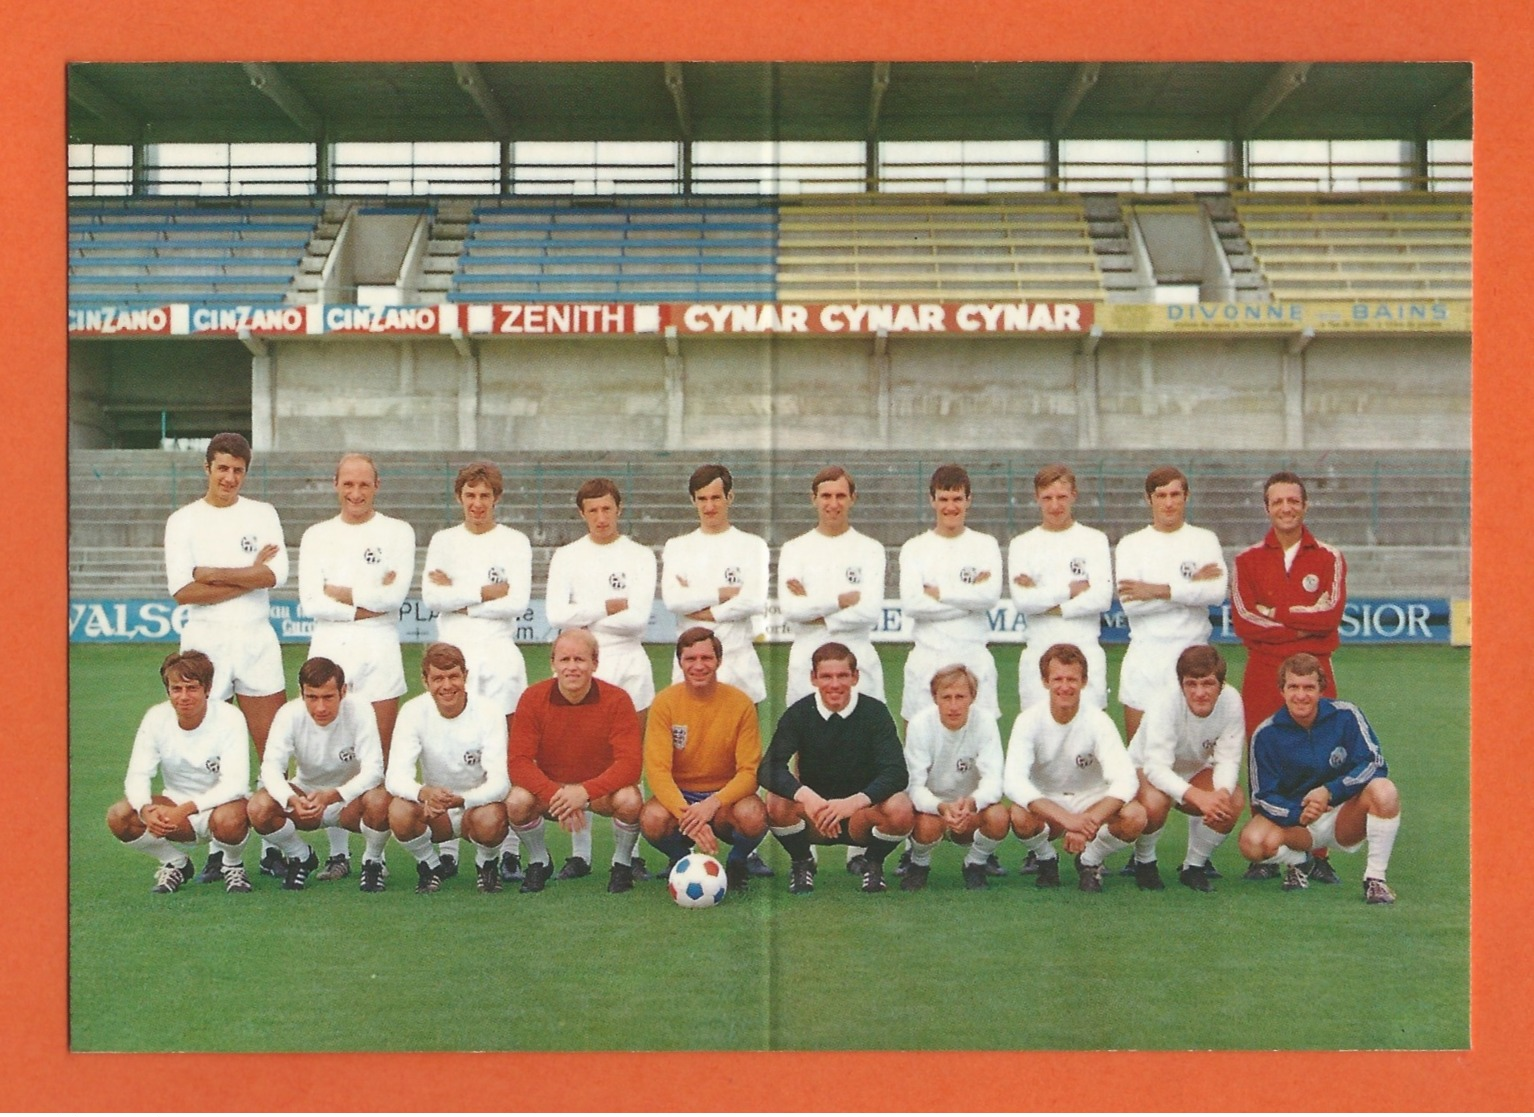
{"x":964,"y":763}
{"x":1311,"y":583}
{"x":471,"y":758}
{"x":1187,"y":569}
{"x":248,"y":544}
{"x":1086,"y":760}
{"x":1338,"y":757}
{"x":1207,"y":745}
{"x":968,"y":575}
{"x":618,"y":580}
{"x":679,"y":736}
{"x":373,"y":556}
{"x":854,"y":575}
{"x":347,"y":755}
{"x":732,"y":575}
{"x":212,"y":765}
{"x":1078,"y":567}
{"x":497,"y":575}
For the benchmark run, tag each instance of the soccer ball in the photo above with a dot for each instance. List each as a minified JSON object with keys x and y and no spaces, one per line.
{"x":697,"y":881}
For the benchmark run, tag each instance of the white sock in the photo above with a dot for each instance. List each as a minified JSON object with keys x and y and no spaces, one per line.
{"x":1145,"y":846}
{"x":421,"y":848}
{"x":161,"y":849}
{"x":921,"y":853}
{"x":512,"y":844}
{"x":373,"y":843}
{"x":625,"y":838}
{"x":856,"y":851}
{"x":340,"y":841}
{"x":1202,"y":842}
{"x":1381,"y":835}
{"x":580,"y":841}
{"x":981,"y":849}
{"x":1039,"y":846}
{"x":486,"y":855}
{"x":1287,"y":856}
{"x":233,"y":854}
{"x":448,"y":848}
{"x":1100,"y":847}
{"x":535,"y":843}
{"x":287,"y":841}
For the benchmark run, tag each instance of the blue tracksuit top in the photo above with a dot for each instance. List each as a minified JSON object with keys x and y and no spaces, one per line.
{"x":1338,"y":750}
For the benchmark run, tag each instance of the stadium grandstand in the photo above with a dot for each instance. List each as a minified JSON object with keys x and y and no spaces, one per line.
{"x":631,"y":268}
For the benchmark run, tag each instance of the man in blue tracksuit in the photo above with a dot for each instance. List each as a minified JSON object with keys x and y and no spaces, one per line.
{"x":1318,"y":779}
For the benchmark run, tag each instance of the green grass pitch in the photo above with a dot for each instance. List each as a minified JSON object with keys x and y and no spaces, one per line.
{"x":1012,"y":968}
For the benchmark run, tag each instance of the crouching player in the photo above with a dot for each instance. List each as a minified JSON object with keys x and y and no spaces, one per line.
{"x":701,"y":751}
{"x":953,"y":755}
{"x":338,"y":781}
{"x":460,"y":746}
{"x":1318,"y":779}
{"x":1188,"y":753}
{"x":202,"y":755}
{"x":852,"y":774}
{"x":1068,"y":773}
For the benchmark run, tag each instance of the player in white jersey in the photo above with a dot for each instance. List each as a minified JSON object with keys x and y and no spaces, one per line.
{"x":1067,"y":773}
{"x":447,"y":772}
{"x":950,"y":580}
{"x":200,"y":750}
{"x":1169,"y":574}
{"x":354,"y":572}
{"x":1188,"y":753}
{"x":953,"y":754}
{"x":223,"y":553}
{"x":716,"y":577}
{"x":831,"y":587}
{"x":1061,"y":583}
{"x":605,"y":582}
{"x":478,"y":579}
{"x":331,"y":739}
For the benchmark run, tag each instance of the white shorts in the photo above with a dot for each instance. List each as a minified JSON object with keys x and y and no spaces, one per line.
{"x":1323,"y":833}
{"x":246,"y":660}
{"x":1149,"y":669}
{"x":1030,"y":688}
{"x":1077,"y":802}
{"x":741,"y":667}
{"x":628,"y":666}
{"x":870,"y":666}
{"x":369,"y":655}
{"x":922,"y":663}
{"x":198,"y":821}
{"x":497,"y":672}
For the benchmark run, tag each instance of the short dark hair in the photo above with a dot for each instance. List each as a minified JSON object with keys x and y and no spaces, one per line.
{"x":832,"y":473}
{"x":1299,"y":665}
{"x":706,"y":475}
{"x":1284,"y":477}
{"x":1200,"y":661}
{"x":317,"y":671}
{"x":444,"y":657}
{"x":948,"y":477}
{"x":696,"y":635}
{"x":228,"y":442}
{"x":1055,"y":471}
{"x":594,"y":489}
{"x":192,"y":665}
{"x":832,"y":650}
{"x":480,"y":472}
{"x":1066,"y":654}
{"x":1165,"y":475}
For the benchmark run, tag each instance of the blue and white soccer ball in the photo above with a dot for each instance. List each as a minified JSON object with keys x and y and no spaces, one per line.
{"x":697,"y":881}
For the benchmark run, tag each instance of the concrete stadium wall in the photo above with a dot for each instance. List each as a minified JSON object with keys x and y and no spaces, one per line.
{"x":114,"y":385}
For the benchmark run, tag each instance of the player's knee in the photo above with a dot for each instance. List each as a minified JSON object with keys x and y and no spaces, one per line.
{"x":1024,"y":823}
{"x":375,"y":808}
{"x":897,"y":814}
{"x":123,"y":821}
{"x":1382,"y":798}
{"x":405,"y":818}
{"x":781,"y":811}
{"x":486,"y":825}
{"x":521,"y":807}
{"x":994,"y":822}
{"x":1258,"y":843}
{"x":627,"y":802}
{"x":229,"y":822}
{"x":263,"y":812}
{"x":749,"y":817}
{"x":655,"y":821}
{"x":1129,"y":823}
{"x":926,"y":828}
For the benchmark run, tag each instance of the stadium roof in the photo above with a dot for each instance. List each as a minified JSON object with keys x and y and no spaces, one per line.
{"x":171,"y":102}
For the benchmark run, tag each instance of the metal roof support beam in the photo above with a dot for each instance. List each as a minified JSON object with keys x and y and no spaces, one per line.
{"x":679,"y":98}
{"x":1436,"y":119}
{"x":472,"y":81}
{"x":1285,"y":80}
{"x":84,"y":92}
{"x":1082,"y":81}
{"x":268,"y":79}
{"x":881,"y":83}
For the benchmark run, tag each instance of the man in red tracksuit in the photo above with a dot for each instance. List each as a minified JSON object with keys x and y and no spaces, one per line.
{"x":1286,"y":596}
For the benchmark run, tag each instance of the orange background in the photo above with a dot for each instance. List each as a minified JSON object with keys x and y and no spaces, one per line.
{"x":38,"y":1070}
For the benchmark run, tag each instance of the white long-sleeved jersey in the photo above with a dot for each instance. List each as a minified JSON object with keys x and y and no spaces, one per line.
{"x":828,"y":566}
{"x":200,"y":534}
{"x":958,"y":618}
{"x":1172,"y":744}
{"x":694,"y":568}
{"x":473,"y":561}
{"x":1171,"y":558}
{"x":1084,"y":756}
{"x":345,"y":755}
{"x":209,"y":765}
{"x":357,"y":556}
{"x":948,"y":764}
{"x":465,"y":754}
{"x":1053,"y":560}
{"x":582,"y":577}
